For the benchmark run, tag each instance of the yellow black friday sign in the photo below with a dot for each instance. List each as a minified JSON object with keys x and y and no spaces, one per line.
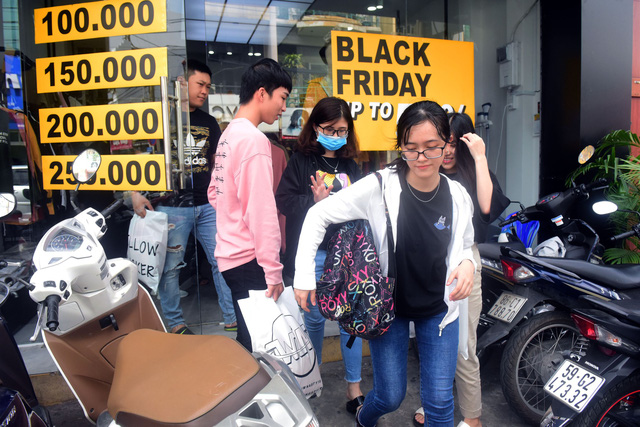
{"x":381,"y":75}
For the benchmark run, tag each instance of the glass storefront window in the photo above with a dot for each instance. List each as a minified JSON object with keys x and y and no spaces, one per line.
{"x":228,"y":35}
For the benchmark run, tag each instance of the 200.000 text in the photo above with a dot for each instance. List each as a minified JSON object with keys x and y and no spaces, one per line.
{"x":102,"y":122}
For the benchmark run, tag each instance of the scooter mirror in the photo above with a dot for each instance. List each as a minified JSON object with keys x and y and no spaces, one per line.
{"x":586,"y":154}
{"x":7,"y":204}
{"x":604,"y":207}
{"x":86,"y":165}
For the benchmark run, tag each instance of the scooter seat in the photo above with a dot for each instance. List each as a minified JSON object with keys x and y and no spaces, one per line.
{"x":181,"y":380}
{"x":493,"y":250}
{"x":620,"y":277}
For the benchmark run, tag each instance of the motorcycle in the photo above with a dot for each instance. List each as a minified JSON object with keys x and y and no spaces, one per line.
{"x":598,"y":383}
{"x":109,"y":343}
{"x":520,"y":317}
{"x":18,"y":402}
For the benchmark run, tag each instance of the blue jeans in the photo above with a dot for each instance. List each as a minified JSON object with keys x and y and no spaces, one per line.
{"x":438,"y":356}
{"x":314,"y":322}
{"x":181,"y":224}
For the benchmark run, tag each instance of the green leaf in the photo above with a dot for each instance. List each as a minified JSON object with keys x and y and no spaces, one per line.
{"x":621,"y":256}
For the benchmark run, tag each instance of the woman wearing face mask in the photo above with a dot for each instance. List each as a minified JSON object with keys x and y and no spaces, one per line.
{"x":321,"y":165}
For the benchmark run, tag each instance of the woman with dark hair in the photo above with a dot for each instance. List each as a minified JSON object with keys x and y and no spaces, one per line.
{"x":321,"y":166}
{"x":465,"y":161}
{"x":432,"y":235}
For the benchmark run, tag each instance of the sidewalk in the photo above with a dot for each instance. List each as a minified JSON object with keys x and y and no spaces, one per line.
{"x":53,"y":392}
{"x":330,"y":410}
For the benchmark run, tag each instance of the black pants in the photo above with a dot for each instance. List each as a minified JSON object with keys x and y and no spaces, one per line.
{"x":241,"y":280}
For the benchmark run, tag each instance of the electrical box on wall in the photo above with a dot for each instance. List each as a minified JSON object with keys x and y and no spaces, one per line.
{"x":508,"y":57}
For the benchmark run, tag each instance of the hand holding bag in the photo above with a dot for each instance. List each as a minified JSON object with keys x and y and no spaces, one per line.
{"x":277,"y":328}
{"x":147,"y":246}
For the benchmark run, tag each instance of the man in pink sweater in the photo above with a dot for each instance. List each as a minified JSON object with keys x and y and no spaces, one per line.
{"x":241,"y":191}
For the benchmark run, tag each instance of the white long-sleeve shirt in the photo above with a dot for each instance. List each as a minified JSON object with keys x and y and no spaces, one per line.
{"x":363,"y":200}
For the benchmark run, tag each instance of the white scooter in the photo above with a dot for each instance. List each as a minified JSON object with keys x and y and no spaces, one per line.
{"x":108,"y":341}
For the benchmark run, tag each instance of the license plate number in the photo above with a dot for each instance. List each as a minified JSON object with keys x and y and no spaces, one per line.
{"x":507,"y":307}
{"x":573,"y":385}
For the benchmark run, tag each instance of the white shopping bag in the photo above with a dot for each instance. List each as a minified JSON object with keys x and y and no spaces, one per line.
{"x":147,"y":246}
{"x":277,"y":328}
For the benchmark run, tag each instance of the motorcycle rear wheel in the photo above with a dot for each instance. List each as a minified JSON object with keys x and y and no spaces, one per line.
{"x":620,"y":406}
{"x":531,"y":356}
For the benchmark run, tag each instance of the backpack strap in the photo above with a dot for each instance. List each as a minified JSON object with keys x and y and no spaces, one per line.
{"x":392,"y":257}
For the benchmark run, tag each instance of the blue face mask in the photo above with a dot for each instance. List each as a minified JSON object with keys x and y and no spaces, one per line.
{"x":331,"y":143}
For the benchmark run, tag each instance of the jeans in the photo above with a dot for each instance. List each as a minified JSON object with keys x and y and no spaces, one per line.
{"x":242,"y":279}
{"x":314,"y":322}
{"x":181,"y":224}
{"x":437,"y":368}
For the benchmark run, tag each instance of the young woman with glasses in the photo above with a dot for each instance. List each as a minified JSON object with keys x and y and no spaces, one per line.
{"x":321,"y":166}
{"x":465,"y":162}
{"x":431,"y":219}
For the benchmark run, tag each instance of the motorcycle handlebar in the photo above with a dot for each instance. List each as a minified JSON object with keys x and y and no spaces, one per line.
{"x":52,"y":302}
{"x":581,"y":190}
{"x":598,"y":184}
{"x":518,"y":216}
{"x":112,"y":208}
{"x":623,"y":236}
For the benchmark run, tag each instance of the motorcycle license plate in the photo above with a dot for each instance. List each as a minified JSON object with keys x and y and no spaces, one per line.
{"x":573,"y":385}
{"x":507,"y":306}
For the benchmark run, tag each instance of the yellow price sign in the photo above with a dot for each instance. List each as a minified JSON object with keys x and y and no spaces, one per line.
{"x":101,"y":122}
{"x":105,"y":70}
{"x":381,"y":75}
{"x":99,"y":19}
{"x":116,"y":173}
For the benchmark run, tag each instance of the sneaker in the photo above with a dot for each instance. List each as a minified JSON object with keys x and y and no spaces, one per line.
{"x":233,"y":327}
{"x":181,"y":330}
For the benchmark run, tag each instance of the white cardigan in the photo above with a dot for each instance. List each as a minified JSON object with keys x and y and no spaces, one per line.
{"x":363,"y":200}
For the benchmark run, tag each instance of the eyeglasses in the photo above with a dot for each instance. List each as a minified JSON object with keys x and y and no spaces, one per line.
{"x":429,"y":153}
{"x":329,"y":131}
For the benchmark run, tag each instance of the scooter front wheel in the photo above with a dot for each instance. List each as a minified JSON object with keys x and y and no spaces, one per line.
{"x":620,"y":406}
{"x":531,"y":356}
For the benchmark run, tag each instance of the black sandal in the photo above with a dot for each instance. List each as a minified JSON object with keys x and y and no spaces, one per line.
{"x":357,"y":412}
{"x":352,"y":405}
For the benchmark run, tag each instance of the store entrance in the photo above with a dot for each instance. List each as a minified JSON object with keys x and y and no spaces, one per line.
{"x":108,"y":75}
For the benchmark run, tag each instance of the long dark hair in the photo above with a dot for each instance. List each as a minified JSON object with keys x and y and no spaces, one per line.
{"x":461,"y":124}
{"x":415,"y":114}
{"x":327,"y":110}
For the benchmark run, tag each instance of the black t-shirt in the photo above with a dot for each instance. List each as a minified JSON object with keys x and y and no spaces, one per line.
{"x":294,"y":196}
{"x":200,"y":147}
{"x":424,"y":234}
{"x":499,"y":203}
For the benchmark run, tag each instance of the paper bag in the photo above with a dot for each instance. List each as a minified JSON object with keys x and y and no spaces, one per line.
{"x":147,"y":246}
{"x":277,"y":328}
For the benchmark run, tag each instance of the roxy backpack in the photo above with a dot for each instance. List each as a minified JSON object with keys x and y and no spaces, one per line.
{"x":352,"y":289}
